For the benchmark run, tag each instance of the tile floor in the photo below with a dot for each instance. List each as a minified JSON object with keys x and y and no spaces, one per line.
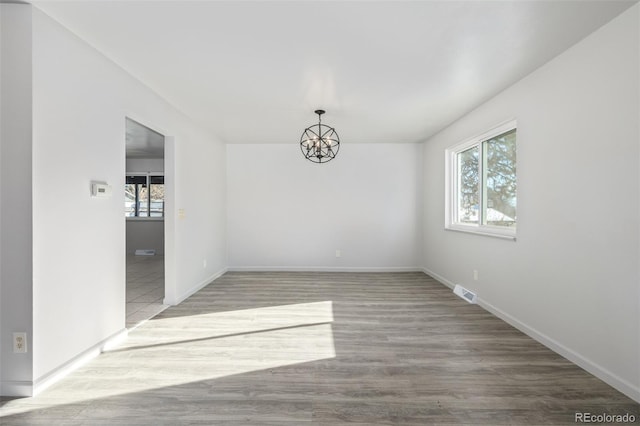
{"x":145,"y":288}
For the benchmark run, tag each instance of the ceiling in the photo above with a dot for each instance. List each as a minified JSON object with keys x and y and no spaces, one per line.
{"x":385,"y":71}
{"x":142,"y":142}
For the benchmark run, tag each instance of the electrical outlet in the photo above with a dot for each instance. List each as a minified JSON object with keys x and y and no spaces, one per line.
{"x":475,"y":275}
{"x":338,"y":253}
{"x":19,"y":343}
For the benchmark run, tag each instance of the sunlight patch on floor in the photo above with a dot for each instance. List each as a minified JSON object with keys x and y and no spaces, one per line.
{"x":177,"y":350}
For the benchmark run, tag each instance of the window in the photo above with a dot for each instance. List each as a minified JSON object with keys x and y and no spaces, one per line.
{"x":144,"y":196}
{"x":481,"y":183}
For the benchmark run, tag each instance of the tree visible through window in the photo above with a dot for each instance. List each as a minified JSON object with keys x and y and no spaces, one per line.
{"x":468,"y":199}
{"x":500,"y":180}
{"x":144,"y":196}
{"x":482,"y":183}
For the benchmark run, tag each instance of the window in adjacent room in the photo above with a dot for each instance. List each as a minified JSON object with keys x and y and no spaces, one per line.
{"x":144,"y":196}
{"x":482,"y":183}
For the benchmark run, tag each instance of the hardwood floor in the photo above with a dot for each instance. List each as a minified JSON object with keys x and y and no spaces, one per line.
{"x":323,"y":348}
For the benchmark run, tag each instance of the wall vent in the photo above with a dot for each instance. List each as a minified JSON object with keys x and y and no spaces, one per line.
{"x":467,"y":295}
{"x":145,"y":252}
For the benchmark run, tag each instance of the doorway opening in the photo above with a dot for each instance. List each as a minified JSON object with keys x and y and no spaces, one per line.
{"x":144,"y":212}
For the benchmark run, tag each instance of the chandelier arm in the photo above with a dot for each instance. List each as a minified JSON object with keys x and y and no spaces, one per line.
{"x":329,"y":129}
{"x":312,"y":132}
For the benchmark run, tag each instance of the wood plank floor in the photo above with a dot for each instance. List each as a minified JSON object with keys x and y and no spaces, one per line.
{"x":324,"y":348}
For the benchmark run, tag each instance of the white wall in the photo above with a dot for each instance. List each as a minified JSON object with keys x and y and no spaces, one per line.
{"x":80,"y":101}
{"x":16,"y":279}
{"x":145,"y":234}
{"x":285,"y":212}
{"x":144,"y":165}
{"x":571,"y":279}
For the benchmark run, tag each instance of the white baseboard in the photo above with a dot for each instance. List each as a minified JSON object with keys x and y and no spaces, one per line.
{"x":600,"y":372}
{"x":19,"y":388}
{"x":27,"y":388}
{"x":182,"y":297}
{"x":439,"y":278}
{"x":79,"y":360}
{"x":324,"y":269}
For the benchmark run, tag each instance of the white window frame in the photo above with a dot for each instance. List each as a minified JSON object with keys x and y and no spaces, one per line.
{"x":451,"y":185}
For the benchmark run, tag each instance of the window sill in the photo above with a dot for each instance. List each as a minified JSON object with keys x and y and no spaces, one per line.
{"x":144,"y":219}
{"x":487,"y":232}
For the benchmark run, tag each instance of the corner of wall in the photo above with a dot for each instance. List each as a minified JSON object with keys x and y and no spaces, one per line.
{"x":16,"y":246}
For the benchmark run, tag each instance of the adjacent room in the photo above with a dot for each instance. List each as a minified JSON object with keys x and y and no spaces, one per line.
{"x":291,"y":212}
{"x":144,"y":215}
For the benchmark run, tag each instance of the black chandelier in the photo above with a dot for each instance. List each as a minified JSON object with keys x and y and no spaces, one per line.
{"x":319,"y":143}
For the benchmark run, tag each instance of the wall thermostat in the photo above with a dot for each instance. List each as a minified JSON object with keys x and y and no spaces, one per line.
{"x":100,"y":190}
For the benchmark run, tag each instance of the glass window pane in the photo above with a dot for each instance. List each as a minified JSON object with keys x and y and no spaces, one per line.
{"x":144,"y":196}
{"x":143,"y":201}
{"x":467,"y":162}
{"x":500,"y":180}
{"x":157,"y":196}
{"x":129,"y":200}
